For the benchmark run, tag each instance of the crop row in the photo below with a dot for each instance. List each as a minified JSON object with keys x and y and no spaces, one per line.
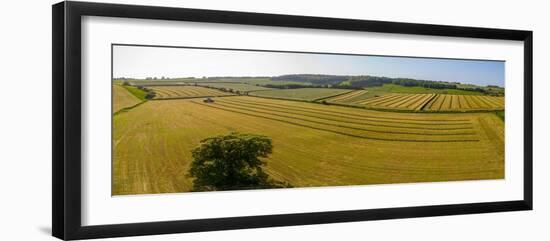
{"x":363,"y":129}
{"x":397,"y":101}
{"x":164,"y":92}
{"x":358,"y":114}
{"x":399,"y":124}
{"x":465,"y":102}
{"x":423,"y":102}
{"x":347,"y":96}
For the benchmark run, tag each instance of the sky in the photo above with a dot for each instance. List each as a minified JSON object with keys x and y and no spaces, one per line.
{"x":142,"y":61}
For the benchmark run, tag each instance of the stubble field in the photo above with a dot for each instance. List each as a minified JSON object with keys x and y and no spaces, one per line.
{"x":123,"y":99}
{"x":175,"y":92}
{"x":314,"y":144}
{"x":420,"y":102}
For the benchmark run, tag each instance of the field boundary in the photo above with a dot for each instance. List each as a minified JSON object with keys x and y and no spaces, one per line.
{"x":194,"y":97}
{"x":126,"y":109}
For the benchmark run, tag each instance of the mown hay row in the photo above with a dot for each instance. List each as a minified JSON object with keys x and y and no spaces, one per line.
{"x":465,"y":104}
{"x":375,"y":99}
{"x":351,"y":134}
{"x":317,"y":121}
{"x":399,"y":101}
{"x":421,"y":105}
{"x":161,"y":93}
{"x":455,"y":103}
{"x":171,"y":92}
{"x":382,"y":101}
{"x":346,"y":96}
{"x":329,"y":117}
{"x":412,"y":104}
{"x":494,"y":102}
{"x":360,"y":116}
{"x":447,"y":102}
{"x":436,"y":102}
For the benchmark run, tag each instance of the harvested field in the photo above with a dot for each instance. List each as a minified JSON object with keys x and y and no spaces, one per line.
{"x":175,"y":92}
{"x":397,"y":101}
{"x":465,"y":103}
{"x":122,"y":98}
{"x":309,"y":94}
{"x":314,"y":144}
{"x":422,"y":102}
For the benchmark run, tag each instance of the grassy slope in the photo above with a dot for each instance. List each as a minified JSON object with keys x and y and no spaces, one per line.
{"x":152,"y":145}
{"x":300,"y":94}
{"x":140,"y":94}
{"x":500,"y":114}
{"x":122,"y":98}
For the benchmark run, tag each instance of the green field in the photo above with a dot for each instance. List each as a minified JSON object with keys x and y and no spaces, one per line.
{"x":308,"y":94}
{"x":314,"y":144}
{"x":256,"y":81}
{"x":234,"y":86}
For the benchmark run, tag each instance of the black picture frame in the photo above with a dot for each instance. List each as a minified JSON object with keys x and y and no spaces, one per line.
{"x":66,"y":76}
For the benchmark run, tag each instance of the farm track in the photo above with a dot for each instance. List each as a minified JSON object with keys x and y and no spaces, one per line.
{"x":324,"y":117}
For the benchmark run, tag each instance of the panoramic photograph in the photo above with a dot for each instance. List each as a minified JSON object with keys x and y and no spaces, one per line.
{"x":187,"y":119}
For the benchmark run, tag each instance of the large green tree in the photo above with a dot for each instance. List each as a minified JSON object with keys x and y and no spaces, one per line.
{"x":231,"y":162}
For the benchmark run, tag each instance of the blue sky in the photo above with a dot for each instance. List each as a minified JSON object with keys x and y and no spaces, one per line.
{"x":141,"y":62}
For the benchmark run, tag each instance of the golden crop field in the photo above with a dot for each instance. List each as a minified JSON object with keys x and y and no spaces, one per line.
{"x":314,"y":144}
{"x":421,"y":102}
{"x":174,"y":92}
{"x":465,"y":102}
{"x":387,"y":101}
{"x":122,"y":98}
{"x":348,"y":97}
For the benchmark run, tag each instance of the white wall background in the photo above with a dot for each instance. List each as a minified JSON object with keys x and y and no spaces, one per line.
{"x":25,"y":123}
